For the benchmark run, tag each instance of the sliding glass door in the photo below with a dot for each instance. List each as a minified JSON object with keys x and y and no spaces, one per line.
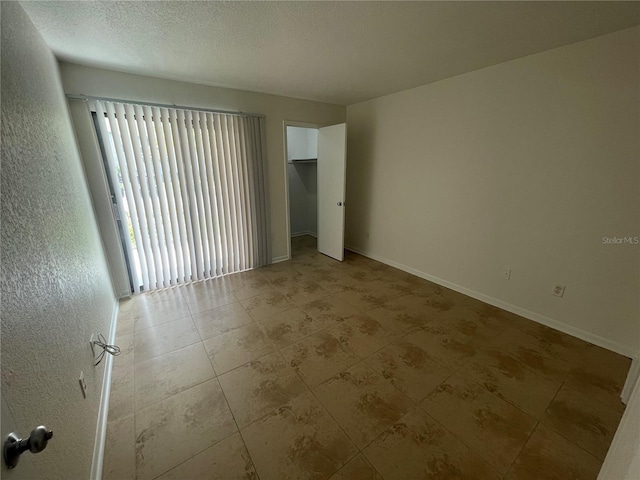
{"x":189,"y":190}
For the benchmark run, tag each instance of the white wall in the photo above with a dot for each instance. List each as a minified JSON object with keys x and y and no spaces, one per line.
{"x":106,"y":83}
{"x":303,"y":198}
{"x":302,"y":143}
{"x":526,"y":165}
{"x":55,"y":283}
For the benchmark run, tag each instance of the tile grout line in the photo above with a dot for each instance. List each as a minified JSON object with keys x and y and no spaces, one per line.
{"x":244,"y":443}
{"x":571,"y":442}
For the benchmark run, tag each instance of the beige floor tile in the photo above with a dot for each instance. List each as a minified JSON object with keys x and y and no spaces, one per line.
{"x":207,"y":294}
{"x":226,"y":460}
{"x":237,"y":347}
{"x":247,"y":284}
{"x":120,"y":450}
{"x":157,"y":308}
{"x":585,"y":422}
{"x":385,"y":290}
{"x":510,"y":379}
{"x":477,"y":327}
{"x":280,"y":276}
{"x":394,"y":317}
{"x":361,"y":272}
{"x":600,"y":375}
{"x":155,"y":341}
{"x":446,"y":346}
{"x":439,"y":299}
{"x":309,"y":266}
{"x":319,"y":357}
{"x":299,"y":441}
{"x":409,"y":368}
{"x":551,"y":336}
{"x":358,"y":468}
{"x":330,"y":277}
{"x":416,"y":446}
{"x":303,"y":291}
{"x":552,"y":360}
{"x":126,"y":321}
{"x":288,"y":327}
{"x":217,"y":321}
{"x":171,"y":373}
{"x":328,"y":317}
{"x":507,"y":318}
{"x":363,"y":334}
{"x":329,"y":310}
{"x":266,"y":304}
{"x":260,"y":386}
{"x":362,"y":402}
{"x":395,"y":284}
{"x":401,"y":282}
{"x":121,"y":398}
{"x":420,"y":309}
{"x":403,"y":279}
{"x":126,"y":344}
{"x":494,"y":428}
{"x":172,"y":431}
{"x":549,"y":456}
{"x":367,"y":295}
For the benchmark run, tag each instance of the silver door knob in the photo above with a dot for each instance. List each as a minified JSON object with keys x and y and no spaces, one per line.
{"x":15,"y":446}
{"x":339,"y":204}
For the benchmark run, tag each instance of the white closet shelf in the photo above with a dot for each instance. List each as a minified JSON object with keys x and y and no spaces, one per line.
{"x":303,"y":160}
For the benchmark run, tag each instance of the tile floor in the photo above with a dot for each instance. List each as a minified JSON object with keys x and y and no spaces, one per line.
{"x":314,"y":369}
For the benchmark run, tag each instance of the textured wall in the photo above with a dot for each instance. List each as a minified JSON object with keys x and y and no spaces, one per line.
{"x":526,"y":165}
{"x":55,"y":284}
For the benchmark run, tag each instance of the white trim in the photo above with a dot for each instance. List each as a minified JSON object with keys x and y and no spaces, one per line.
{"x":285,"y":124}
{"x":632,"y":380}
{"x":307,"y":232}
{"x":622,"y":458}
{"x":103,"y":411}
{"x":281,"y":258}
{"x":528,"y":314}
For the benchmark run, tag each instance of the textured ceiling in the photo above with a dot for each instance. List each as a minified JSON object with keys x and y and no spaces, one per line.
{"x":337,"y":52}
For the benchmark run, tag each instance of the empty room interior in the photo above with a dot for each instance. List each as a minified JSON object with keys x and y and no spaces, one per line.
{"x":320,"y":240}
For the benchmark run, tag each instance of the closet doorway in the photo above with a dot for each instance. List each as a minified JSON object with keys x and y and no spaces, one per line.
{"x":315,"y":184}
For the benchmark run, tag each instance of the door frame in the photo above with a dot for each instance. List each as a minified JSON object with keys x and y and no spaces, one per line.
{"x":285,"y":124}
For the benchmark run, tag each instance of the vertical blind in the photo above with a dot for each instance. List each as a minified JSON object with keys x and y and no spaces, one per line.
{"x":190,"y":186}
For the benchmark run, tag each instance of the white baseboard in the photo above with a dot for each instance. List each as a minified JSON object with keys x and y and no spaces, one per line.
{"x":306,"y":232}
{"x":632,"y":380}
{"x":103,"y":411}
{"x":528,"y":314}
{"x":281,"y":258}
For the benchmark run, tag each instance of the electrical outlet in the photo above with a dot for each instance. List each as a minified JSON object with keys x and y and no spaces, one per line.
{"x":506,"y":273}
{"x":83,"y":384}
{"x":558,"y":290}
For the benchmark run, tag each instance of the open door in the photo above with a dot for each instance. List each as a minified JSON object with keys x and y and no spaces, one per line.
{"x":332,"y":164}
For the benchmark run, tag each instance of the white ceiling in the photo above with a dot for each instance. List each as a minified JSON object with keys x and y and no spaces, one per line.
{"x":337,"y":52}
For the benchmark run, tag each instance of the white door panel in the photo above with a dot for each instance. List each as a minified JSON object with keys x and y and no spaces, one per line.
{"x":332,"y":163}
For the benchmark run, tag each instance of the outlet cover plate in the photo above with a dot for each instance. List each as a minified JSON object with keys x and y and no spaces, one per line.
{"x":558,"y":290}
